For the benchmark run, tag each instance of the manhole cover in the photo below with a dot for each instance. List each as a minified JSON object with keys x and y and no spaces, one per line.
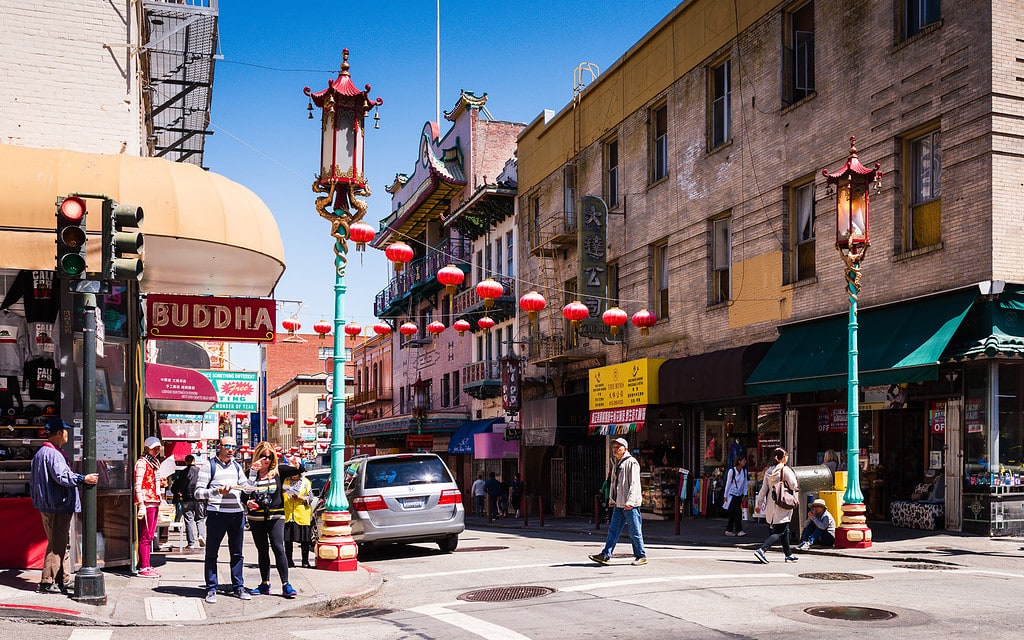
{"x":851,"y":613}
{"x":504,"y":594}
{"x":925,"y":566}
{"x":363,"y":612}
{"x":470,"y":549}
{"x":835,"y":576}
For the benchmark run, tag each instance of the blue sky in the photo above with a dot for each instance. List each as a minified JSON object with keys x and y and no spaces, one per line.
{"x":522,"y":54}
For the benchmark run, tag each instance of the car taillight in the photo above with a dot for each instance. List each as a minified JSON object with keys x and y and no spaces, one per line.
{"x":369,"y":503}
{"x":450,"y":496}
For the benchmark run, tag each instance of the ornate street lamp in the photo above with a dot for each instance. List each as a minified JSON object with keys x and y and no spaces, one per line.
{"x":852,"y":183}
{"x":341,"y":180}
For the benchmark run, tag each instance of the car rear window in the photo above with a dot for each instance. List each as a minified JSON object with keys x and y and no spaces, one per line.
{"x":399,"y":472}
{"x":318,"y":480}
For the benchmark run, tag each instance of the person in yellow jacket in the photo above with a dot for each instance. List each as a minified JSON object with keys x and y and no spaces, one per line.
{"x":298,"y":513}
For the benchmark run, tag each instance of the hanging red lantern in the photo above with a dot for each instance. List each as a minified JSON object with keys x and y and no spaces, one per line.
{"x":485,"y":323}
{"x":241,"y":414}
{"x":272,"y":419}
{"x":289,"y":421}
{"x":361,"y":233}
{"x":408,"y":329}
{"x":293,"y":449}
{"x":322,"y":328}
{"x":291,"y":325}
{"x":399,"y":253}
{"x":614,"y":318}
{"x":532,"y":303}
{"x":382,"y":328}
{"x":489,"y":289}
{"x":451,"y":277}
{"x":644,"y":320}
{"x":326,"y":419}
{"x":461,"y":326}
{"x":353,"y":329}
{"x":435,"y":327}
{"x":309,"y":422}
{"x":356,"y":417}
{"x":575,"y":312}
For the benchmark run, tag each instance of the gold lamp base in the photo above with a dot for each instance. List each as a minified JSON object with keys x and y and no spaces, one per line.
{"x":853,"y":533}
{"x":336,"y":550}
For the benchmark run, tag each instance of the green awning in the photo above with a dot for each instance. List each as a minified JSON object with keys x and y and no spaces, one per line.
{"x":897,"y":343}
{"x":993,"y":329}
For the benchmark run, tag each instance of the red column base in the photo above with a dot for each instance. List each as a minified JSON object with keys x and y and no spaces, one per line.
{"x":853,"y":533}
{"x":336,"y":550}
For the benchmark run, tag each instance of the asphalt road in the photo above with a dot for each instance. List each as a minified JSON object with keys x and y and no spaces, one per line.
{"x":685,"y":592}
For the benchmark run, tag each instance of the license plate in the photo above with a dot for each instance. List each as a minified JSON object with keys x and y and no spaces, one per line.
{"x":412,"y":503}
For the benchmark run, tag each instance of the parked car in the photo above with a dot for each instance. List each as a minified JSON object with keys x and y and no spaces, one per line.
{"x":401,"y":498}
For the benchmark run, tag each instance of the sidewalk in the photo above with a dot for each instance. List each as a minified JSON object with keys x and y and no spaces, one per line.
{"x":176,"y":598}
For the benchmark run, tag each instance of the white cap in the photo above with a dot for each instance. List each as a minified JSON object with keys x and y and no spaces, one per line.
{"x":152,"y":442}
{"x":621,"y":441}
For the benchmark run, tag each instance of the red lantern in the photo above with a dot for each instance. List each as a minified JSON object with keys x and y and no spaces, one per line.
{"x":326,"y":419}
{"x":532,"y":303}
{"x":361,"y":233}
{"x":408,"y":329}
{"x":451,"y":277}
{"x":289,"y":421}
{"x":241,"y":414}
{"x":575,"y":312}
{"x":309,"y":422}
{"x":461,"y":326}
{"x":353,"y":329}
{"x":485,"y":323}
{"x":357,"y":417}
{"x":272,"y":419}
{"x":435,"y":327}
{"x":399,"y":253}
{"x":293,"y":450}
{"x":489,"y":289}
{"x":322,"y":328}
{"x":291,"y":325}
{"x":382,"y":328}
{"x":644,"y":320}
{"x":614,"y":318}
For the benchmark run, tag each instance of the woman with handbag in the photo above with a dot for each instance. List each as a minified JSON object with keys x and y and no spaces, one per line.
{"x":777,"y":498}
{"x":266,"y":515}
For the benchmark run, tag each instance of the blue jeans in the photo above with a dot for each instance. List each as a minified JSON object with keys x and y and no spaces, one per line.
{"x":217,"y":525}
{"x":813,"y":535}
{"x":625,"y":518}
{"x":478,"y":502}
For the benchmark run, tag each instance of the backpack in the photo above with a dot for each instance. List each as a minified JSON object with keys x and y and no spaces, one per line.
{"x":179,"y":488}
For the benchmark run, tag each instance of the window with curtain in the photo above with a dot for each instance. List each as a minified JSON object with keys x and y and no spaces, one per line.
{"x":658,"y":145}
{"x":802,"y":242}
{"x":721,"y":260}
{"x":719,"y":95}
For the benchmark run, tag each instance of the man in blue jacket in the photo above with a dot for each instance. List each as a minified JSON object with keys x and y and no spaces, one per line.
{"x":55,"y":495}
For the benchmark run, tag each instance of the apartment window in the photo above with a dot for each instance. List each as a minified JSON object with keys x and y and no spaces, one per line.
{"x":918,"y":14}
{"x":446,"y":390}
{"x":497,"y":257}
{"x":659,"y":143}
{"x":611,"y":173}
{"x":798,"y":52}
{"x":925,"y":221}
{"x":801,"y":245}
{"x":480,"y":348}
{"x":719,"y":93}
{"x":510,"y":269}
{"x":613,"y":284}
{"x":479,"y":266}
{"x":534,"y":222}
{"x":321,"y":405}
{"x":569,"y":196}
{"x":359,"y":380}
{"x":401,"y":400}
{"x":456,"y":389}
{"x":508,"y":340}
{"x":376,"y":376}
{"x":661,"y":280}
{"x":721,"y":260}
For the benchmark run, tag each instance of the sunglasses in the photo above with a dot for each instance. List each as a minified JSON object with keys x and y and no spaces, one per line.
{"x":228,"y":446}
{"x":266,"y":456}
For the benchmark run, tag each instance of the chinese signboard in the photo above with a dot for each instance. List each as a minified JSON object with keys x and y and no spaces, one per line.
{"x":236,"y":390}
{"x":628,"y":384}
{"x":511,"y":383}
{"x":592,"y":278}
{"x":210,"y":318}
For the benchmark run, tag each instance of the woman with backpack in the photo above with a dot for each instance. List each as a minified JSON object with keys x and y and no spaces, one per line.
{"x":265,"y":505}
{"x":735,"y":491}
{"x":778,"y":490}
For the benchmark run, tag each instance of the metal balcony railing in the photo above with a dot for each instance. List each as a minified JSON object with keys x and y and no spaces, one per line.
{"x":372,"y":395}
{"x":422,"y":272}
{"x":468,"y":300}
{"x":483,"y":371}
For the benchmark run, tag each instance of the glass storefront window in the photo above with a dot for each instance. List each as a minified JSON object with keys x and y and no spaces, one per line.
{"x":1011,"y":427}
{"x":976,"y":460}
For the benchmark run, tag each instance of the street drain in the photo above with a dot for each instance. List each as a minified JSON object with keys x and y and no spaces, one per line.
{"x":504,"y":594}
{"x":364,"y":612}
{"x":471,"y":549}
{"x":857,"y":614}
{"x":835,"y":576}
{"x":926,"y":566}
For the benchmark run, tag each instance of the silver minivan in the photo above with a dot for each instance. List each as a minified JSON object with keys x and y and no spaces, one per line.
{"x":405,"y":497}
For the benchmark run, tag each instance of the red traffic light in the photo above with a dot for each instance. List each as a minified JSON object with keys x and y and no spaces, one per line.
{"x":72,"y":208}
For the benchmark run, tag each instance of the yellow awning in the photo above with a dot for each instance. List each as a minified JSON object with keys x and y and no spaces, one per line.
{"x":204,"y":234}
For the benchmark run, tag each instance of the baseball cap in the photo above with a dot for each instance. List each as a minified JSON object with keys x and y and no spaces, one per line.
{"x":54,"y":426}
{"x":151,"y":442}
{"x":621,"y":441}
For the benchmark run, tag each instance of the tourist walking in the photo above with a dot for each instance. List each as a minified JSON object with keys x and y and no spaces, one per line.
{"x":777,"y":479}
{"x":625,"y":504}
{"x":735,"y":491}
{"x":266,"y":515}
{"x":221,"y":483}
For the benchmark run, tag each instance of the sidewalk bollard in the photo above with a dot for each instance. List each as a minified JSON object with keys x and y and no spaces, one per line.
{"x":597,"y":513}
{"x":526,"y":510}
{"x":540,"y":509}
{"x":675,"y":511}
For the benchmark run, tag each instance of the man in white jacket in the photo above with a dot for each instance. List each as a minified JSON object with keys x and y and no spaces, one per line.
{"x":624,"y":500}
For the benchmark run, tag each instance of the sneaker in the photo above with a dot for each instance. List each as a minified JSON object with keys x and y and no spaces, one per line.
{"x":803,"y":546}
{"x":67,"y":588}
{"x":191,"y":546}
{"x":791,"y":558}
{"x":211,"y":596}
{"x":639,"y":562}
{"x":289,"y":591}
{"x":262,"y":590}
{"x":741,"y":533}
{"x":759,"y":554}
{"x":242,"y":593}
{"x":47,"y":587}
{"x":599,"y":558}
{"x":202,"y":541}
{"x":149,"y":572}
{"x":730,"y":534}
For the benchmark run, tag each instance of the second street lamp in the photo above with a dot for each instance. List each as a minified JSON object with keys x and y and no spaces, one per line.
{"x":341,"y":179}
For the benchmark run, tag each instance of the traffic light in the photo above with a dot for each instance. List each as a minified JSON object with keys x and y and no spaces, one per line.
{"x":71,"y":212}
{"x":122,"y":241}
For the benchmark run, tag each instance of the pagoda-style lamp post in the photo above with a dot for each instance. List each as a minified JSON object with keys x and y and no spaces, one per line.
{"x":341,"y":179}
{"x":852,"y":183}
